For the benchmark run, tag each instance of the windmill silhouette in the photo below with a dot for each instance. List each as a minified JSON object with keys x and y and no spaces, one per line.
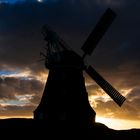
{"x":65,"y":98}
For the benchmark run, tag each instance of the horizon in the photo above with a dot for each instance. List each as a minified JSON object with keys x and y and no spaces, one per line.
{"x":116,"y":124}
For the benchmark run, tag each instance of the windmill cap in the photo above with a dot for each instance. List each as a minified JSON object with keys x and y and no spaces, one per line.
{"x":66,"y":59}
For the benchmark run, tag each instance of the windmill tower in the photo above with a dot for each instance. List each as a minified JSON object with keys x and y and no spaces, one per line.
{"x":65,"y":98}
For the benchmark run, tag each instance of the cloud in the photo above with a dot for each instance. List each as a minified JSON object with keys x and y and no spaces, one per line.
{"x":111,"y":110}
{"x":18,"y":97}
{"x":10,"y":87}
{"x":108,"y":108}
{"x":116,"y":56}
{"x":23,"y":28}
{"x":17,"y":111}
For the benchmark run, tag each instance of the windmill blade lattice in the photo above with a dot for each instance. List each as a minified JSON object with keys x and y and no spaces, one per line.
{"x":111,"y":91}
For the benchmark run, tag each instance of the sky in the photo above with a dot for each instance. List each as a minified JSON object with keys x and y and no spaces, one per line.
{"x":116,"y":58}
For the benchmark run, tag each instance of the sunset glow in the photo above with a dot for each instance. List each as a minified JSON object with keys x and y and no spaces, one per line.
{"x":119,"y":124}
{"x":116,"y":124}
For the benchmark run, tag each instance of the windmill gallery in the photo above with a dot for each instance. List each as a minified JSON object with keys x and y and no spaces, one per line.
{"x":65,"y":99}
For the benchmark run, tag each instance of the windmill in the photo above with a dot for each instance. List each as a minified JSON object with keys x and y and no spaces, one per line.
{"x":66,"y":66}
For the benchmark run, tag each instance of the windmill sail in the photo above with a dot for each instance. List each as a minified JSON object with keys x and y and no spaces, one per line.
{"x":98,"y":31}
{"x":111,"y":91}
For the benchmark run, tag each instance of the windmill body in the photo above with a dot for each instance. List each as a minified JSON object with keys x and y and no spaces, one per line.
{"x":65,"y":98}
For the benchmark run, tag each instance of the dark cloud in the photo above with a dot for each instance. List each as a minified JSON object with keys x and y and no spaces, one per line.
{"x":134,"y":98}
{"x":36,"y":99}
{"x":10,"y":87}
{"x":29,"y":87}
{"x":21,"y":31}
{"x":21,"y":38}
{"x":134,"y":94}
{"x":7,"y":91}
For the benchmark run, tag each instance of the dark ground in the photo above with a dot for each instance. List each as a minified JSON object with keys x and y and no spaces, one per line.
{"x":31,"y":129}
